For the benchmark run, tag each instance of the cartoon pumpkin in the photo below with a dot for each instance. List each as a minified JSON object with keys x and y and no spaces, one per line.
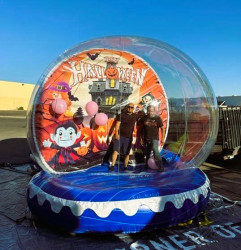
{"x":100,"y":136}
{"x":112,"y":73}
{"x":82,"y":151}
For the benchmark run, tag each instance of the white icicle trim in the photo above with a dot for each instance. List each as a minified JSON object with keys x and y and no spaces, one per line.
{"x":129,"y":207}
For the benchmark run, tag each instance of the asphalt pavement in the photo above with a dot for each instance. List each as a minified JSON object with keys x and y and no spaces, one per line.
{"x":13,"y":124}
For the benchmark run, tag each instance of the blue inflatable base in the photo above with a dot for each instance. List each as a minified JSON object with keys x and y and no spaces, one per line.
{"x":106,"y":202}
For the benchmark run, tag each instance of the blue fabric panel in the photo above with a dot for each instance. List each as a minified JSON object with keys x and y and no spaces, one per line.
{"x":94,"y":186}
{"x":117,"y":221}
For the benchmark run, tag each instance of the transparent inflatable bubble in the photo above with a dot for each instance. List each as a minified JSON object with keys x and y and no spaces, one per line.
{"x":74,"y":105}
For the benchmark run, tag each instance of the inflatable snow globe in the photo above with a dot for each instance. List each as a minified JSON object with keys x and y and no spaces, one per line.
{"x":71,"y":127}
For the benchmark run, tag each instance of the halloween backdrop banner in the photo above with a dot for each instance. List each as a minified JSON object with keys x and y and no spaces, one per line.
{"x":79,"y":100}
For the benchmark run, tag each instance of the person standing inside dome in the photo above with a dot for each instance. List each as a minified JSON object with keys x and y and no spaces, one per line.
{"x":125,"y":123}
{"x":151,"y":123}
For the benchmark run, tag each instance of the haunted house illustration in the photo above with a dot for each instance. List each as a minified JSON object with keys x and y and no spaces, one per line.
{"x":111,"y":93}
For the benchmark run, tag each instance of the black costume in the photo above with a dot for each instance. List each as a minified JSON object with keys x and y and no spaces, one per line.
{"x":150,"y":134}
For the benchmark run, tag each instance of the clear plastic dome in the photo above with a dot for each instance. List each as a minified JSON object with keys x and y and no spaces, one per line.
{"x":76,"y":100}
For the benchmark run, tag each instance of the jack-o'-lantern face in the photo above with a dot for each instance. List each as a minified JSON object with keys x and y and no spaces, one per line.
{"x":82,"y":151}
{"x":100,"y":137}
{"x":112,"y":73}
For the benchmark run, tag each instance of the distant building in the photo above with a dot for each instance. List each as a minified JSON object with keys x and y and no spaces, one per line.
{"x":229,"y":134}
{"x":230,"y":101}
{"x":15,"y":95}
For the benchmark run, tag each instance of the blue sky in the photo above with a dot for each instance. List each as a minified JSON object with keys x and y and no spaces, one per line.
{"x":34,"y":33}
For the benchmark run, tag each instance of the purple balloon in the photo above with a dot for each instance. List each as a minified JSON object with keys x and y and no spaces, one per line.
{"x":101,"y":119}
{"x":91,"y":108}
{"x":59,"y":106}
{"x":151,"y":163}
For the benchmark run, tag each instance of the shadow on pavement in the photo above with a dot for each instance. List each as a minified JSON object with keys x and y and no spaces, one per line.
{"x":14,"y":151}
{"x":231,"y":164}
